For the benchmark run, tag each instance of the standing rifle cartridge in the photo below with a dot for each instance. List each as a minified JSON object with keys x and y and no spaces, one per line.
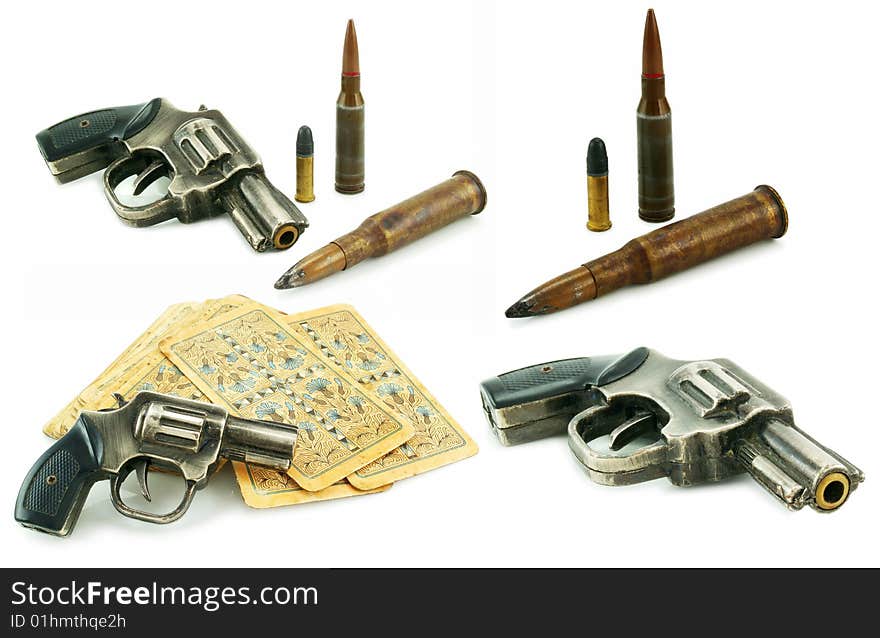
{"x":742,"y":221}
{"x":654,"y":132}
{"x":597,"y":186}
{"x":461,"y":195}
{"x":305,"y":166}
{"x":350,"y":120}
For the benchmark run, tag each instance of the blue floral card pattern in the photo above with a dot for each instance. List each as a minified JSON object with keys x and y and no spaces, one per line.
{"x":249,"y":361}
{"x":348,"y":343}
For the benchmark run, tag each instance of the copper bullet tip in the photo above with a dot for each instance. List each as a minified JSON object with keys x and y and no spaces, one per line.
{"x":568,"y":289}
{"x":350,"y":58}
{"x":652,"y":54}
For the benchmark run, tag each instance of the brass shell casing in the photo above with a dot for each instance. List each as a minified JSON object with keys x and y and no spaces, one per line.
{"x":305,"y":179}
{"x":753,"y":217}
{"x":350,"y":137}
{"x":654,"y":134}
{"x":597,"y":203}
{"x":461,"y":195}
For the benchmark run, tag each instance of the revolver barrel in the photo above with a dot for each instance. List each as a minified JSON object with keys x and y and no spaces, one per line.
{"x":796,"y":469}
{"x":259,"y":442}
{"x":264,"y":215}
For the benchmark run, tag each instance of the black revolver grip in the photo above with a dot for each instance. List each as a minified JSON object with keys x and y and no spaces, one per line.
{"x":53,"y":492}
{"x":558,"y":377}
{"x":91,"y":131}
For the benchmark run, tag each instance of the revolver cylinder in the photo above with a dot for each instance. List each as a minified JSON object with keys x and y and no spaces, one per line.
{"x":178,"y":426}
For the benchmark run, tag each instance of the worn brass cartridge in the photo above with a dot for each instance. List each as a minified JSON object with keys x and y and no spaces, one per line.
{"x":350,"y":120}
{"x":745,"y":220}
{"x":305,"y":166}
{"x":654,"y":132}
{"x":459,"y":196}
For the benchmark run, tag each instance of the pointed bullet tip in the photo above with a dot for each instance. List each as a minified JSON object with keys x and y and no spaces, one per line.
{"x":652,"y":53}
{"x":350,"y":56}
{"x":293,"y":278}
{"x":518,"y":310}
{"x":283,"y":282}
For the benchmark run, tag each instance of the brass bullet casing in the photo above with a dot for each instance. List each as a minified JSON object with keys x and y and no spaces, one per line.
{"x":460,"y":196}
{"x":654,"y":131}
{"x":305,"y":179}
{"x":598,"y":218}
{"x":350,"y":120}
{"x":305,"y":166}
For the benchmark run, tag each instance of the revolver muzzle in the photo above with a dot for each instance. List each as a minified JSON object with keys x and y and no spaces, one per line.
{"x":797,"y":469}
{"x":264,"y":215}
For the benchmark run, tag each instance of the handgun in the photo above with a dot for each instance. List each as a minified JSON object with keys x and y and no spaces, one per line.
{"x":640,"y":416}
{"x":211,"y":169}
{"x":186,"y":437}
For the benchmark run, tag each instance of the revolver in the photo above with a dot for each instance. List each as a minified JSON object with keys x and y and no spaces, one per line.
{"x":184,"y":436}
{"x":640,"y":416}
{"x":211,"y":168}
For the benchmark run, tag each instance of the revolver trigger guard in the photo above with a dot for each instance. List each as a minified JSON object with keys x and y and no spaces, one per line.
{"x":611,"y":467}
{"x":139,"y":216}
{"x":170,"y":517}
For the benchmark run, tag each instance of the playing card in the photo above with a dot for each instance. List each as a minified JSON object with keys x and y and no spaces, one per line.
{"x":251,"y":362}
{"x":348,"y":343}
{"x":143,"y":359}
{"x":262,"y":487}
{"x":93,"y":397}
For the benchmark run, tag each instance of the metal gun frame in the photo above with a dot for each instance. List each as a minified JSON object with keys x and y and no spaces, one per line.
{"x":212,"y":168}
{"x":693,"y":422}
{"x":187,"y":437}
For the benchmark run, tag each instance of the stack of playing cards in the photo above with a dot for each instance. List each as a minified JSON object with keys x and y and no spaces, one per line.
{"x":363,"y":419}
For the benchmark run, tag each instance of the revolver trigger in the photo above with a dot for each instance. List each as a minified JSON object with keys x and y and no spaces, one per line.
{"x":141,"y":466}
{"x":631,"y":429}
{"x":122,"y":508}
{"x":150,"y":174}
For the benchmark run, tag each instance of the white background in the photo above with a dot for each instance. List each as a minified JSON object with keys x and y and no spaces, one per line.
{"x":777,"y":93}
